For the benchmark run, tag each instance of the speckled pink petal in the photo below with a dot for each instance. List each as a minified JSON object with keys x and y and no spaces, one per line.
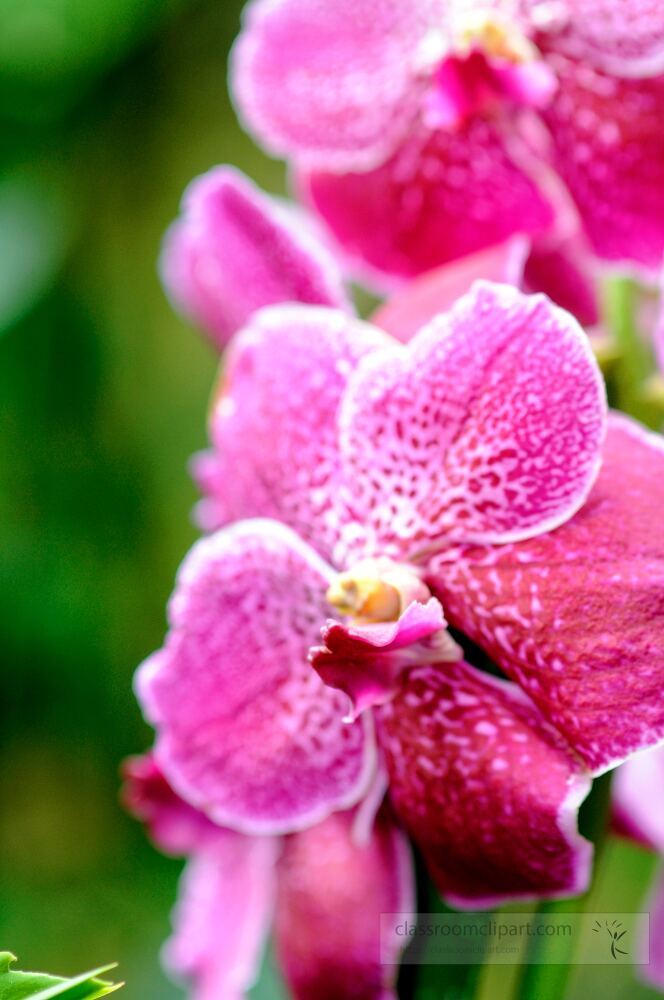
{"x":223,"y":917}
{"x":246,"y":730}
{"x":366,"y":661}
{"x":567,"y":271}
{"x":331,"y":894}
{"x":488,"y":791}
{"x":575,"y":616}
{"x":440,"y":197}
{"x":417,"y":302}
{"x":488,"y":425}
{"x":274,"y":423}
{"x":174,"y":826}
{"x":234,"y":249}
{"x":332,"y":83}
{"x":625,"y":37}
{"x":609,"y":149}
{"x":638,"y":798}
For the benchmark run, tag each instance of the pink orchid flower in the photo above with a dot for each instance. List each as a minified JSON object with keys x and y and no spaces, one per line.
{"x":426,"y":130}
{"x":467,"y":468}
{"x":638,"y":793}
{"x":321,"y":891}
{"x":235,"y":249}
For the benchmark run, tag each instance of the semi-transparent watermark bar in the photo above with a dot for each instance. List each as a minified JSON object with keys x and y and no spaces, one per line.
{"x":509,"y":938}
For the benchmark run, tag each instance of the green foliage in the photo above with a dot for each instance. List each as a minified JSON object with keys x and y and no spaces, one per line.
{"x":34,"y":235}
{"x":39,"y":986}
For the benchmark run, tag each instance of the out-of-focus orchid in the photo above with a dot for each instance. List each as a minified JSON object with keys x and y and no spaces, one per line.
{"x":320,"y":890}
{"x":383,"y":478}
{"x":638,"y":790}
{"x":426,"y":130}
{"x":235,"y":249}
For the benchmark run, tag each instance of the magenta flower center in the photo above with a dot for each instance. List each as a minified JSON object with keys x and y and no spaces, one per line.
{"x":491,"y":63}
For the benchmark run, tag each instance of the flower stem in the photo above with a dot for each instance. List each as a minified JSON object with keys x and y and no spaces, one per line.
{"x":629,"y":379}
{"x":547,"y":963}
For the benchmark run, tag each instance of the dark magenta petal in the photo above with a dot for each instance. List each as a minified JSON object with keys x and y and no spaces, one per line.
{"x":443,"y":195}
{"x":486,"y":788}
{"x":331,"y":894}
{"x":174,"y":826}
{"x":575,"y":615}
{"x":567,"y":271}
{"x":246,"y":730}
{"x":473,"y":83}
{"x":234,"y":249}
{"x":223,"y":917}
{"x":366,"y":661}
{"x":625,"y":37}
{"x":609,"y":148}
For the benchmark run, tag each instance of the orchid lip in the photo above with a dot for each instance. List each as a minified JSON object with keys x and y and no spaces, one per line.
{"x":377,"y":590}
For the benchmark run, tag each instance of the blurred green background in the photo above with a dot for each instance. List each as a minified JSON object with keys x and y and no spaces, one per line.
{"x":107,"y":109}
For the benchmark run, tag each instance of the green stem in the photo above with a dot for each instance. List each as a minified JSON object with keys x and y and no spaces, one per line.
{"x":629,"y":377}
{"x":547,"y":967}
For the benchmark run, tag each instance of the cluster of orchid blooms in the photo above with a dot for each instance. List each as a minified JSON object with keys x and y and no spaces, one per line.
{"x":451,"y":464}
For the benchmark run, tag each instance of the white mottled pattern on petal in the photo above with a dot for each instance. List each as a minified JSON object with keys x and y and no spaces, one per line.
{"x":274,"y":422}
{"x":575,"y":615}
{"x":246,"y":730}
{"x":488,"y":425}
{"x":488,"y":791}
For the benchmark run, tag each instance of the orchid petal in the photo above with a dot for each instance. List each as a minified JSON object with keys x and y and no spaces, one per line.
{"x":487,"y":790}
{"x":638,"y":798}
{"x":623,"y":37}
{"x":443,"y":195}
{"x":411,"y":307}
{"x":488,"y":425}
{"x":234,"y":249}
{"x":331,"y":894}
{"x":274,"y":423}
{"x":566,"y":270}
{"x":653,"y":972}
{"x":366,"y":661}
{"x":174,"y":825}
{"x":246,"y":731}
{"x":223,"y":916}
{"x":609,"y":148}
{"x":575,"y":615}
{"x":332,"y":83}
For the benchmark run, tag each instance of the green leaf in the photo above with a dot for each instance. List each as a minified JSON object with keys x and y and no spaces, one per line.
{"x":34,"y":238}
{"x":39,"y":986}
